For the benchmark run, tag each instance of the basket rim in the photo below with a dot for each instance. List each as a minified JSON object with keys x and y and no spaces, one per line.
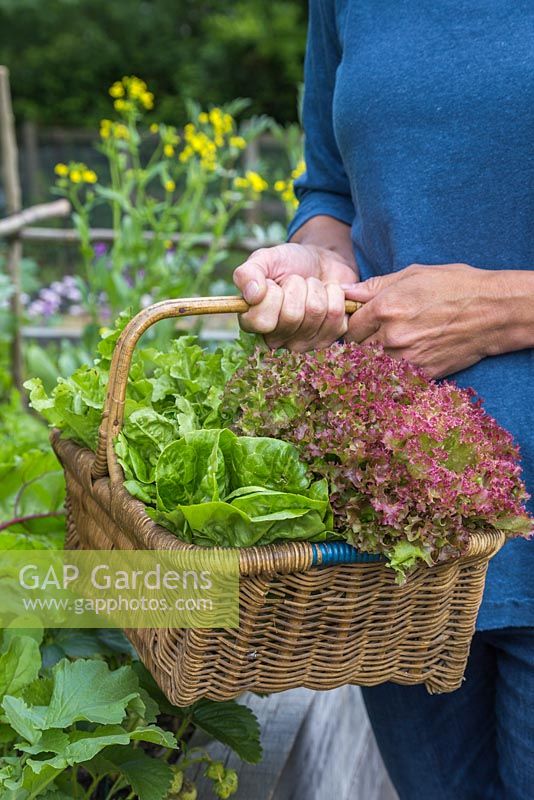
{"x":283,"y":557}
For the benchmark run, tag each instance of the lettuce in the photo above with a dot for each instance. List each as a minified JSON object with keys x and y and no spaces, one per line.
{"x":216,"y":488}
{"x":196,"y":477}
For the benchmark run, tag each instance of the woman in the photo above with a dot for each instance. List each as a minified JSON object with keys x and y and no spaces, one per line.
{"x":418,"y":201}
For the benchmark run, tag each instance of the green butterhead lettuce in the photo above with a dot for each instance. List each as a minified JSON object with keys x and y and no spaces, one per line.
{"x":215,"y":488}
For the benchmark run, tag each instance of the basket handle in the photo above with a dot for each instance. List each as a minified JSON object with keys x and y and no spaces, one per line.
{"x":105,"y":462}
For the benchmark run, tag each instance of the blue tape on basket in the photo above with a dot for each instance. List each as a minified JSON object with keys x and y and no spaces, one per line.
{"x":326,"y":554}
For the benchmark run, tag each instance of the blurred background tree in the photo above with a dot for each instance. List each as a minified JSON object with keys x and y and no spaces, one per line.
{"x":63,"y":54}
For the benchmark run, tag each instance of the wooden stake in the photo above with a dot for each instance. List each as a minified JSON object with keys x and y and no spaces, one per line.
{"x":14,"y":205}
{"x":13,"y":225}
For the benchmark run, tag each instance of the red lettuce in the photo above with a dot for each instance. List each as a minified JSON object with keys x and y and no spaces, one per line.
{"x":413,"y":465}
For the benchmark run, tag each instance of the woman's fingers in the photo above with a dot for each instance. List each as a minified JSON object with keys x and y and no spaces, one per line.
{"x":363,"y":324}
{"x":315,"y":311}
{"x":275,"y":263}
{"x":302,"y":315}
{"x":292,"y":312}
{"x":263,"y":318}
{"x":335,"y":323}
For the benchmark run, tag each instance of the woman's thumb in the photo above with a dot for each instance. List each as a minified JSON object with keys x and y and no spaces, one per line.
{"x":366,"y":290}
{"x":250,"y":279}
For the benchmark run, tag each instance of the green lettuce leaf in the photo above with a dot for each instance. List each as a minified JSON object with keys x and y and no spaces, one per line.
{"x":193,"y":469}
{"x":270,"y":463}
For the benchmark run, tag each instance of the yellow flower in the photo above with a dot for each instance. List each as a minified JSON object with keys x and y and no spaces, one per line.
{"x":238,"y":141}
{"x":105,"y":128}
{"x":203,"y":118}
{"x":189,"y":131}
{"x":131,"y":92}
{"x":117,"y":90}
{"x":289,"y":195}
{"x":76,"y":176}
{"x":61,"y":169}
{"x":135,"y":87}
{"x":168,"y":150}
{"x":120,"y":131}
{"x":222,"y":123}
{"x":186,"y":154}
{"x":299,"y":169}
{"x":147,"y":99}
{"x":279,"y":186}
{"x":241,"y":183}
{"x":170,"y":186}
{"x":257,"y":183}
{"x":154,"y":128}
{"x":89,"y":176}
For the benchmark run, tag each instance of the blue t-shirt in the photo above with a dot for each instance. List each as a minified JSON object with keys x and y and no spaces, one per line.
{"x":419,"y":122}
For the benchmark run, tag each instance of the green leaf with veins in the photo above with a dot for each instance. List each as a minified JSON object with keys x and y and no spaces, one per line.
{"x":19,"y":665}
{"x":88,"y":690}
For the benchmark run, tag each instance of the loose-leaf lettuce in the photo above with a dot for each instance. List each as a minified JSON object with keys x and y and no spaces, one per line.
{"x":195,"y":476}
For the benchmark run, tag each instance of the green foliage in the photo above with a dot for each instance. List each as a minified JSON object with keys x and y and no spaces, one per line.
{"x":159,"y":185}
{"x":185,"y":380}
{"x":81,"y":718}
{"x":32,"y":487}
{"x":231,"y":723}
{"x":73,"y":49}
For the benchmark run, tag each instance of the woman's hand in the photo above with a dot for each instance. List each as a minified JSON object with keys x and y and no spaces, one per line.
{"x":296,"y":295}
{"x":442,"y":318}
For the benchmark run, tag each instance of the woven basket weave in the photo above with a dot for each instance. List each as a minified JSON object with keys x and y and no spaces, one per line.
{"x":305,"y":620}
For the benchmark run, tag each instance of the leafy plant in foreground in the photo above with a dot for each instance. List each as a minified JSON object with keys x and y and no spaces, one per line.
{"x":206,"y":484}
{"x":68,"y":730}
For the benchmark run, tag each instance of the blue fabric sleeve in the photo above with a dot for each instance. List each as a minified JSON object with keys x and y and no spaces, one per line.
{"x":324,"y":188}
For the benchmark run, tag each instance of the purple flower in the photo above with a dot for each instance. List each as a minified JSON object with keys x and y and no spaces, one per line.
{"x":50,"y":296}
{"x":100,"y":249}
{"x":73,"y":294}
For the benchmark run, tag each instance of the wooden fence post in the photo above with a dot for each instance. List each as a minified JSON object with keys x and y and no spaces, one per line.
{"x":13,"y":205}
{"x":30,"y":156}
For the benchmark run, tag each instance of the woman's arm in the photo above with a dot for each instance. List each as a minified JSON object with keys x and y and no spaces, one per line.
{"x":445,"y":317}
{"x":294,"y":288}
{"x":329,"y":234}
{"x":515,"y":326}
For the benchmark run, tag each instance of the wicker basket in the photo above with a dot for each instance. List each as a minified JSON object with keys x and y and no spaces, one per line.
{"x":305,"y":618}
